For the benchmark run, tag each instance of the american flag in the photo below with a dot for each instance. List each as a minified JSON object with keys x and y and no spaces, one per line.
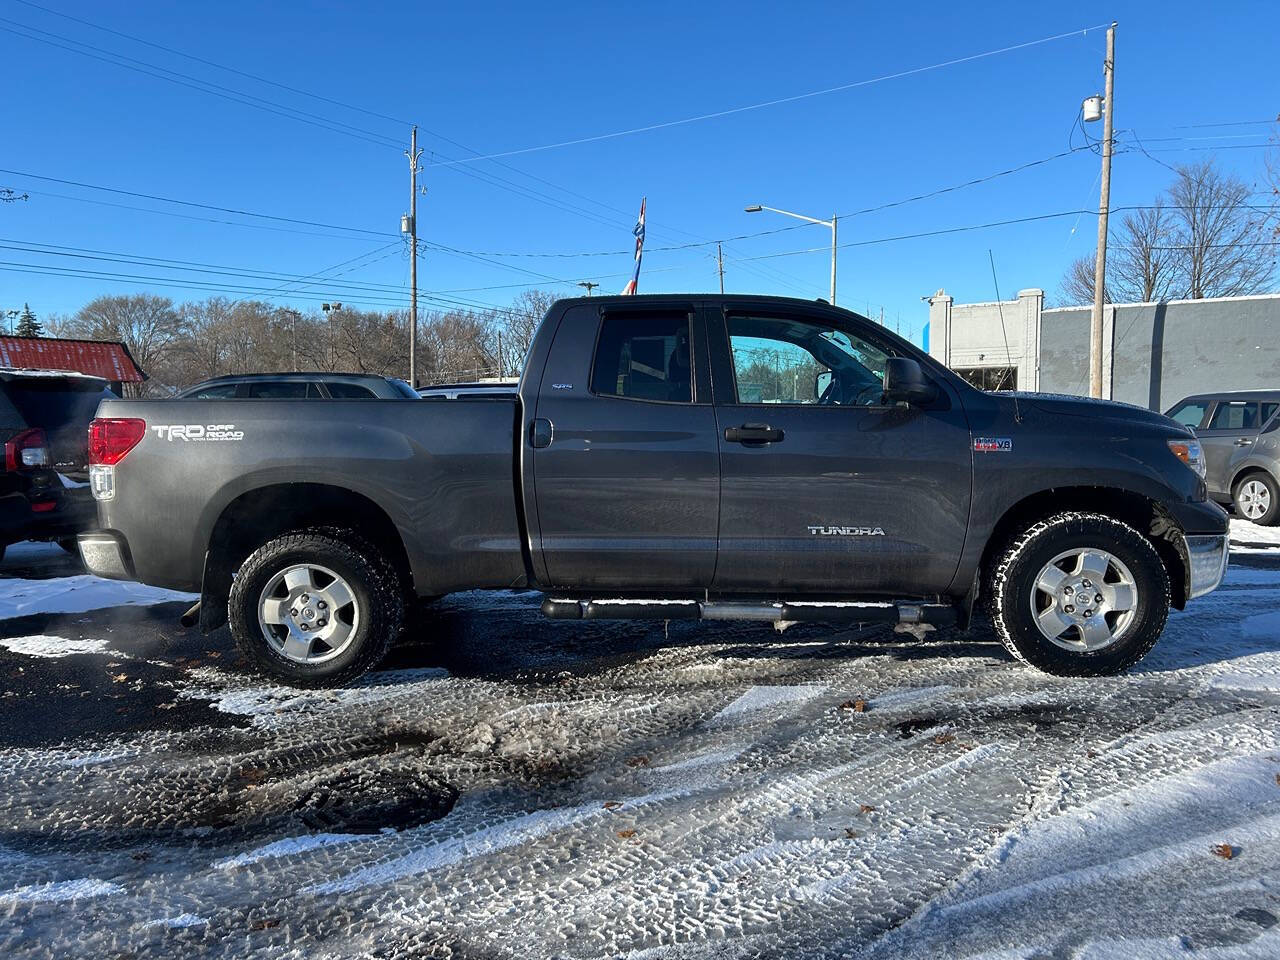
{"x":630,"y":288}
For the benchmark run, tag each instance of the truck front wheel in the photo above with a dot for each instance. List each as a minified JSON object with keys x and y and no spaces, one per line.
{"x":315,"y":607}
{"x":1079,"y":594}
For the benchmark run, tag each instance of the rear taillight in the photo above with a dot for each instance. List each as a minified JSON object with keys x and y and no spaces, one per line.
{"x":26,"y":451}
{"x":110,"y":438}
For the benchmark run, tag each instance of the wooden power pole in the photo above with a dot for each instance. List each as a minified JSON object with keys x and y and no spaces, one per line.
{"x":1104,"y":209}
{"x":720,"y":261}
{"x":414,"y":154}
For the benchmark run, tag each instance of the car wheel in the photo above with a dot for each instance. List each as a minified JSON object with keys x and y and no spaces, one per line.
{"x":315,"y":607}
{"x":1079,"y":594}
{"x":1257,"y":498}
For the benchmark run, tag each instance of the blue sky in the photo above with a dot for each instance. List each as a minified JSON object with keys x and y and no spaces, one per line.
{"x":498,"y":78}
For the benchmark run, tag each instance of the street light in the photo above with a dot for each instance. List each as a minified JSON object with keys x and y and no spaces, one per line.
{"x":757,"y":207}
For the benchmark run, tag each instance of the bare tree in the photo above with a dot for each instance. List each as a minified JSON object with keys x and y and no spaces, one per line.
{"x":147,"y":324}
{"x":1202,"y":238}
{"x":1141,"y":263}
{"x":1221,"y":238}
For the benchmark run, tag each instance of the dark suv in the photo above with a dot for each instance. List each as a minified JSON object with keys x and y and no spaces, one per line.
{"x":1240,"y":435}
{"x":301,"y":386}
{"x":44,"y":423}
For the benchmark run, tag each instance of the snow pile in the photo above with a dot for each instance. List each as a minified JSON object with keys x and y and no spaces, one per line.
{"x":20,"y":598}
{"x":51,"y":647}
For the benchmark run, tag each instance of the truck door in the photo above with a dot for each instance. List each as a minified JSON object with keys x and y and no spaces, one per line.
{"x":824,"y":489}
{"x":625,"y":459}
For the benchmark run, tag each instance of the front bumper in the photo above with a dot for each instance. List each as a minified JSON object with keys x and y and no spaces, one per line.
{"x":106,"y":554}
{"x":1206,"y":563}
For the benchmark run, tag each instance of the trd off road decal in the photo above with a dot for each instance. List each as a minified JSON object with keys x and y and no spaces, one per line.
{"x":993,"y":444}
{"x":197,"y":431}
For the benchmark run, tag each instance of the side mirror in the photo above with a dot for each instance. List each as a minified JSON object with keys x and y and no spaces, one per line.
{"x":821,"y":383}
{"x":905,"y":380}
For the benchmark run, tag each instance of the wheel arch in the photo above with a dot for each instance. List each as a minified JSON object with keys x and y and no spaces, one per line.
{"x":1247,"y":469}
{"x":1142,"y":513}
{"x":266,"y":512}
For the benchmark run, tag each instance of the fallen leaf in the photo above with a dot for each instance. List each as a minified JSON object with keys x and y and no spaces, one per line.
{"x":850,"y":833}
{"x":866,"y":808}
{"x":119,"y":677}
{"x":612,"y":804}
{"x":1278,"y":779}
{"x":214,"y":655}
{"x":264,"y":924}
{"x":626,"y":834}
{"x":640,"y":761}
{"x":944,"y":738}
{"x":1224,"y":850}
{"x":1091,"y":754}
{"x":857,"y":706}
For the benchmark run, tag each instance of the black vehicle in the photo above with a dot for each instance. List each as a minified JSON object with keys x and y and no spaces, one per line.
{"x":300,"y":386}
{"x":1240,"y":434}
{"x":716,"y":457}
{"x":44,"y":422}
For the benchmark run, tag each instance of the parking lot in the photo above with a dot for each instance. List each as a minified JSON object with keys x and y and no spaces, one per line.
{"x":508,"y":786}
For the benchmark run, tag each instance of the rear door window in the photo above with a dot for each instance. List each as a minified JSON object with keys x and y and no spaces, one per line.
{"x":1268,"y":411}
{"x":284,"y":390}
{"x":1235,"y":415}
{"x":219,"y":391}
{"x":644,"y":357}
{"x":349,"y":391}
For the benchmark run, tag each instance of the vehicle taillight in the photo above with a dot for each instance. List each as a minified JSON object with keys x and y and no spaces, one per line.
{"x":110,"y":438}
{"x":27,"y":450}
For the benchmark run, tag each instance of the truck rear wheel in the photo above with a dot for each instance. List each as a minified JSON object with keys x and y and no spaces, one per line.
{"x":1079,"y":594}
{"x":315,"y":607}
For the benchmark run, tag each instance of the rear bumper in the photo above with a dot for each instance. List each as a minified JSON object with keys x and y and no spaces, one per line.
{"x":106,"y":554}
{"x":1206,"y":563}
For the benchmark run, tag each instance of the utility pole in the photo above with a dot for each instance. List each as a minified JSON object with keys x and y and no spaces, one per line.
{"x":589,"y":285}
{"x":413,"y":153}
{"x":1104,"y":209}
{"x":720,"y":261}
{"x":834,"y":218}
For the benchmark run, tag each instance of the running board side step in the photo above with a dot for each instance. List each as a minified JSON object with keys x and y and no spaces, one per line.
{"x":795,"y":611}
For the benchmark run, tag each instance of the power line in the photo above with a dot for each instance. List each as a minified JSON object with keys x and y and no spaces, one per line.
{"x":781,"y":100}
{"x":193,"y":203}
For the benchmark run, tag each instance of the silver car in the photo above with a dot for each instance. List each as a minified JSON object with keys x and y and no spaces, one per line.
{"x":1240,"y":435}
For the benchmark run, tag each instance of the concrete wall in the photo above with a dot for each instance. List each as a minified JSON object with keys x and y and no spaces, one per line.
{"x":1154,"y":354}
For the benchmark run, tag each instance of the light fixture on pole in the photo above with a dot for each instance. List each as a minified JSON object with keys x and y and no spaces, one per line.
{"x":832,"y":223}
{"x":589,"y":285}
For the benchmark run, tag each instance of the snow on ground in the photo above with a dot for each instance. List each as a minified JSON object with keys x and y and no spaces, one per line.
{"x":19,"y":598}
{"x":515,"y":787}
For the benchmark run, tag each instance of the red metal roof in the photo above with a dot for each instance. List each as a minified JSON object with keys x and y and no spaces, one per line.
{"x":98,"y":358}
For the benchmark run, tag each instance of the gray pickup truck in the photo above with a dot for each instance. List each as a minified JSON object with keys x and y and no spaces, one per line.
{"x":715,"y":457}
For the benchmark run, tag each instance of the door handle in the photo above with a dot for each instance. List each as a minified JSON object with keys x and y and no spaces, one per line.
{"x":541,"y":433}
{"x":753,"y":433}
{"x":1244,"y":442}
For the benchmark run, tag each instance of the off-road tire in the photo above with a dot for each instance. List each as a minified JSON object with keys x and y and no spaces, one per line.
{"x":1272,"y":516}
{"x":372,"y":579}
{"x":1020,"y":562}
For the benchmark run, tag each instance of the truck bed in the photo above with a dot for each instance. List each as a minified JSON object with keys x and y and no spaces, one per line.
{"x":444,"y":473}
